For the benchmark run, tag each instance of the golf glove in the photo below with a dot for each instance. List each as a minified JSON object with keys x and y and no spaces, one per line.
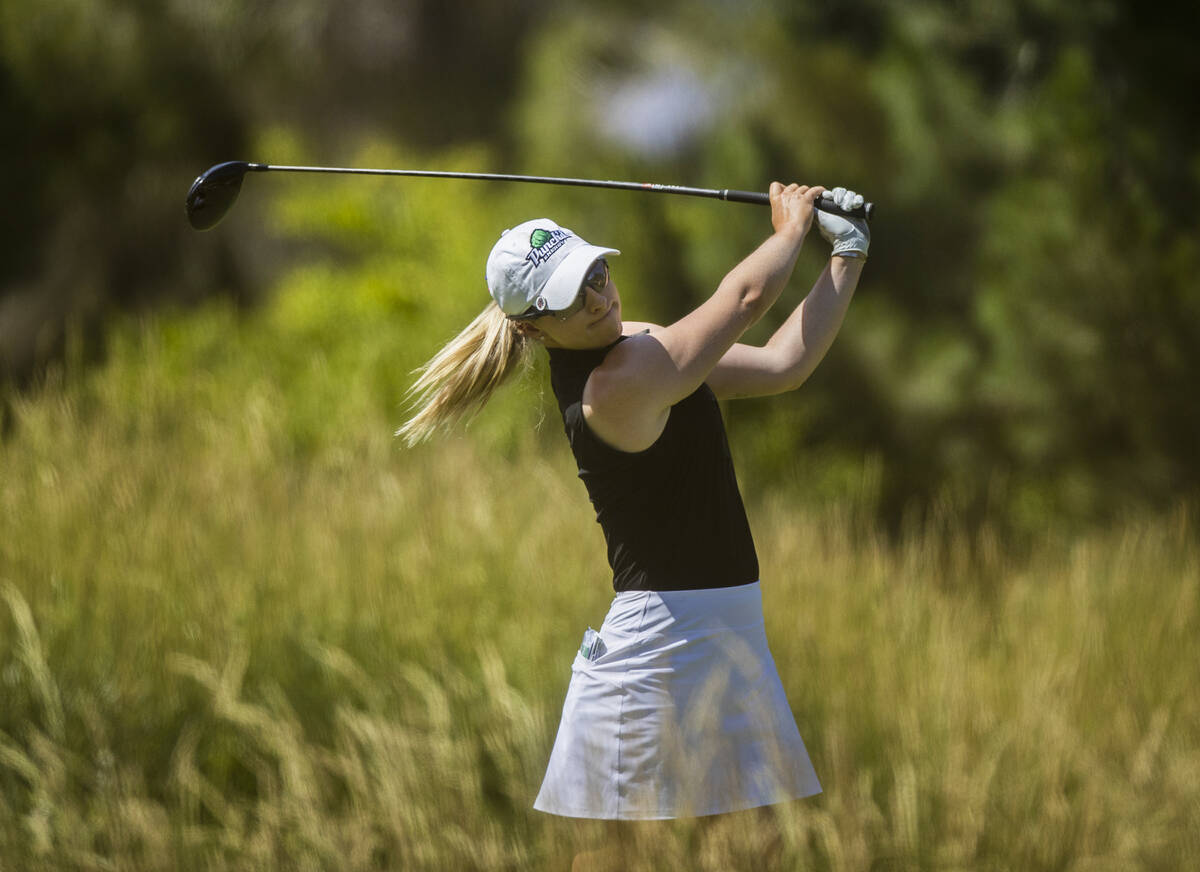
{"x":850,"y":237}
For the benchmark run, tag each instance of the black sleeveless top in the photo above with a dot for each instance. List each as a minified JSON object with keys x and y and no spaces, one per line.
{"x":672,"y":514}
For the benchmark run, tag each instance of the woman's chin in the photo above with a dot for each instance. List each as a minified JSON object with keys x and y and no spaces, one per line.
{"x":608,"y":329}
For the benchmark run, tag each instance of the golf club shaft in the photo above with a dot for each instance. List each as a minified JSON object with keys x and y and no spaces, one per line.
{"x":754,"y":197}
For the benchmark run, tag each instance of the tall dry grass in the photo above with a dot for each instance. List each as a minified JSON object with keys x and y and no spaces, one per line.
{"x":235,"y":634}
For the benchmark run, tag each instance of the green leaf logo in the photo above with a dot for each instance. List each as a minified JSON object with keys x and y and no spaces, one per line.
{"x":539,"y":238}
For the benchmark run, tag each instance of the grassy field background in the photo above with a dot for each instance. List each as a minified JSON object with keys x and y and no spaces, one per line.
{"x":241,"y":628}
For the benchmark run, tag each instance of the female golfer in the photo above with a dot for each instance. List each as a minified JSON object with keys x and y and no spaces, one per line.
{"x":675,"y":707}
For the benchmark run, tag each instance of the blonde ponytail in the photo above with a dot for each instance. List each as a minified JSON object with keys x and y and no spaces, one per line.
{"x":460,"y":378}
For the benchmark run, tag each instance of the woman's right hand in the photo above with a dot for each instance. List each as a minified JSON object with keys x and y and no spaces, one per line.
{"x":792,"y":207}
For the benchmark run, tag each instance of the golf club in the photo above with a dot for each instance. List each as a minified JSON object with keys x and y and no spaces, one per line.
{"x":213,"y":192}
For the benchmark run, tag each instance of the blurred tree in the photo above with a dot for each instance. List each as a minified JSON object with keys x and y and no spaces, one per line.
{"x":112,"y":106}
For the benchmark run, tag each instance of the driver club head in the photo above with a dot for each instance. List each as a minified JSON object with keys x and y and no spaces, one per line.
{"x":213,"y":193}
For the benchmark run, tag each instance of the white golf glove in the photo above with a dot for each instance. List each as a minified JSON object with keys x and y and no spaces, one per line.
{"x":850,"y":237}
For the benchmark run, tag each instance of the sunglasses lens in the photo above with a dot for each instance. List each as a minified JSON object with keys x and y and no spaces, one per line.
{"x":597,"y":277}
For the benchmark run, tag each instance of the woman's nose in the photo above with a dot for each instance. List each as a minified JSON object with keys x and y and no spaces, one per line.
{"x":595,"y":300}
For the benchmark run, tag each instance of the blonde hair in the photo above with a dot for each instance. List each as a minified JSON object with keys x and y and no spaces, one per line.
{"x":459,"y":379}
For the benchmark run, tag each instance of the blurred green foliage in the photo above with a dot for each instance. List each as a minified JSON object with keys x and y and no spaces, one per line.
{"x":1026,"y":334}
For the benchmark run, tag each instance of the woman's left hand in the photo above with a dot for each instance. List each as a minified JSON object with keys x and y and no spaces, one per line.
{"x":850,"y":237}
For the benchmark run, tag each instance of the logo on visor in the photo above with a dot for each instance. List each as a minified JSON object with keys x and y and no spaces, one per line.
{"x":543,"y":244}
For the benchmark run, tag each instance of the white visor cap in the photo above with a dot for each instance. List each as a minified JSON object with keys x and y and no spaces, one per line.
{"x":539,"y":264}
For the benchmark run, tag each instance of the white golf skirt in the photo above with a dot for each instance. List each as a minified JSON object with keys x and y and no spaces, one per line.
{"x":676,"y":711}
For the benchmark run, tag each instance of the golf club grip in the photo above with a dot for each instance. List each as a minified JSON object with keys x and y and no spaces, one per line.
{"x":761,"y":199}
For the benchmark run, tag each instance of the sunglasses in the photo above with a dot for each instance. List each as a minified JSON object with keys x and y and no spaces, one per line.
{"x":596,"y":279}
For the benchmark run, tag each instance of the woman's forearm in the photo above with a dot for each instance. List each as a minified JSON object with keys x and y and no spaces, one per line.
{"x":807,"y":334}
{"x":760,"y":278}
